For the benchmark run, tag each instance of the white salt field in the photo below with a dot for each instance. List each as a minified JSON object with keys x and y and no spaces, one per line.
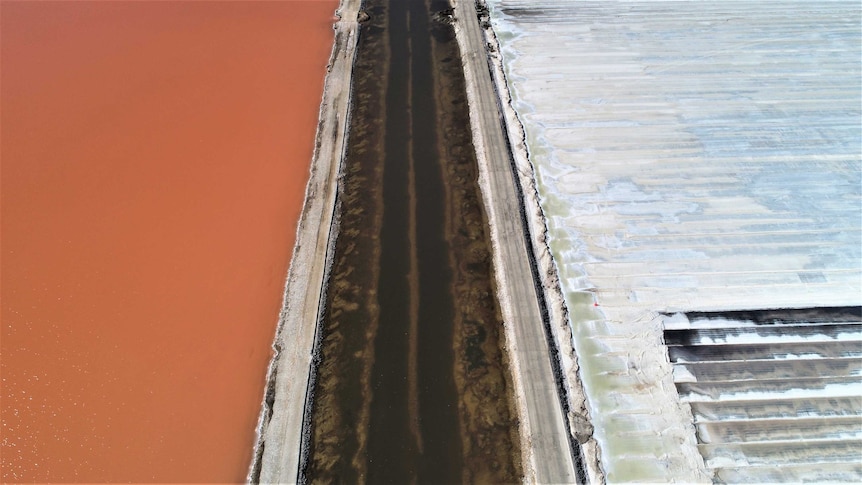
{"x":702,"y":157}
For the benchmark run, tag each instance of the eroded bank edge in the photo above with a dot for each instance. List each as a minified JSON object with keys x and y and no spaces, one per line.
{"x":280,"y":429}
{"x":544,"y":265}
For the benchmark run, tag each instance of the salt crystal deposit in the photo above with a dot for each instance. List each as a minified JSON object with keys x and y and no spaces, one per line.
{"x":697,"y":157}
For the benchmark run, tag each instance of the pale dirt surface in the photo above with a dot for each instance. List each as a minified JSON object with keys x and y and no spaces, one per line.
{"x":579,"y":420}
{"x":546,"y":449}
{"x":281,"y":423}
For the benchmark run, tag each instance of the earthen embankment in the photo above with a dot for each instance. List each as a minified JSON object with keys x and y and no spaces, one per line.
{"x":531,"y":310}
{"x":277,"y":457}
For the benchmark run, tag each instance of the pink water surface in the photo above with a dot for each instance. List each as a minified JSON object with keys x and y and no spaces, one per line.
{"x":154,"y":160}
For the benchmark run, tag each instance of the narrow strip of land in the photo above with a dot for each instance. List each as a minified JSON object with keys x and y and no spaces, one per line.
{"x":277,"y":456}
{"x":545,"y":433}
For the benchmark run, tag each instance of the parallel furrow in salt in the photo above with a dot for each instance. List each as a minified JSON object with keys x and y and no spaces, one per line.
{"x":698,"y":156}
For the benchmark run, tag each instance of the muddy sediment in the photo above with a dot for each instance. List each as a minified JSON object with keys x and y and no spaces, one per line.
{"x":412,"y":382}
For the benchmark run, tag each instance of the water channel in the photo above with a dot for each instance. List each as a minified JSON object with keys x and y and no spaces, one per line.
{"x":412,"y":384}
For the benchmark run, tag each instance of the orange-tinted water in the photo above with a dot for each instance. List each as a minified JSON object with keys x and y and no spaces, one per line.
{"x":154,"y":160}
